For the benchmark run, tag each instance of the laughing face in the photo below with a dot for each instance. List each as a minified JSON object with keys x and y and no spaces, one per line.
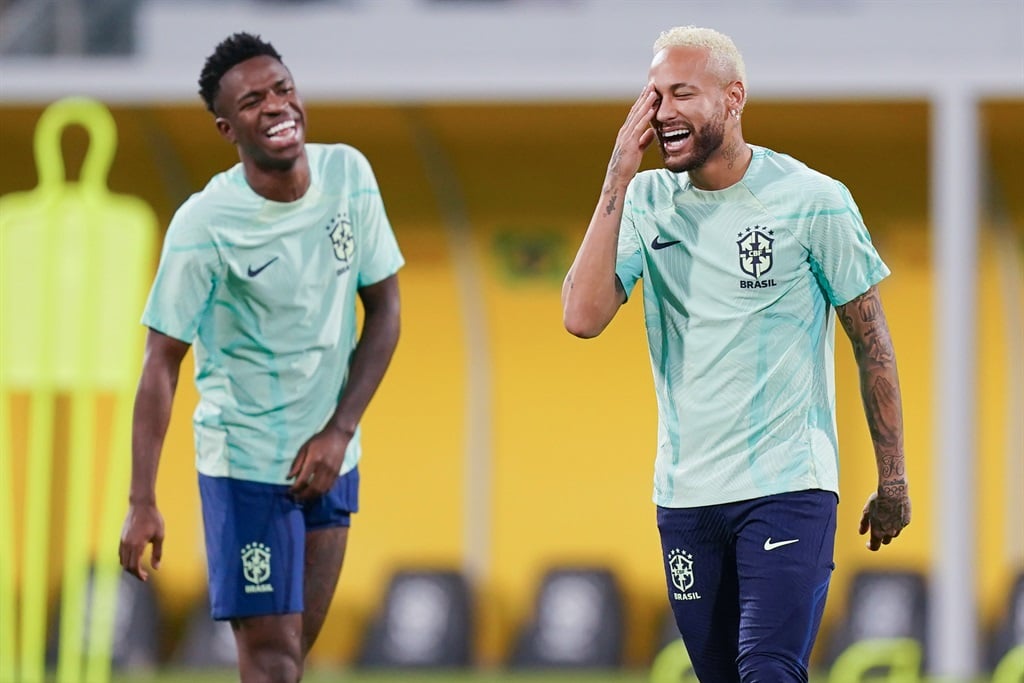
{"x":259,"y":111}
{"x":692,"y":107}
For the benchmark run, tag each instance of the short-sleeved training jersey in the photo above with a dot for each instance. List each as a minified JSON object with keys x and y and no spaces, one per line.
{"x":266,"y":292}
{"x":739,"y":286}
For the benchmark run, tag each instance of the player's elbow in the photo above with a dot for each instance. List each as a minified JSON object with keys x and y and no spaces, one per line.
{"x":586,"y":311}
{"x":582,"y":331}
{"x":582,"y":324}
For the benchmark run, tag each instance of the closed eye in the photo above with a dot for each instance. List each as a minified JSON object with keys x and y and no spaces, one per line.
{"x":683,"y":91}
{"x":249,"y":100}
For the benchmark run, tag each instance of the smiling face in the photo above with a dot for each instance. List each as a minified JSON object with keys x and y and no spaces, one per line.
{"x":259,"y":111}
{"x":694,"y":106}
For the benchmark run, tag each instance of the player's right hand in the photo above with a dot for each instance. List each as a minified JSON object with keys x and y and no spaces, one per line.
{"x":635,"y":136}
{"x":143,"y":525}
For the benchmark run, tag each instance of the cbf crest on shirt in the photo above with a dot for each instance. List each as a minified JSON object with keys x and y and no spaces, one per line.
{"x":739,"y":286}
{"x":265,"y":291}
{"x":755,"y":253}
{"x":340,"y":230}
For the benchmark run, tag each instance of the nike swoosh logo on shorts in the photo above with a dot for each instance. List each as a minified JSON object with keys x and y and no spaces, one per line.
{"x":768,"y":545}
{"x":253,"y":272}
{"x":655,"y":244}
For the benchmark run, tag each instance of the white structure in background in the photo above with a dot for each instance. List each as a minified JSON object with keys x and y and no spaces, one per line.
{"x":416,"y":50}
{"x":952,"y":53}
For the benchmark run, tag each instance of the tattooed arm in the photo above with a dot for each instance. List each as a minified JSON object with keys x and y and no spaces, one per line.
{"x":591,"y":294}
{"x":888,"y":509}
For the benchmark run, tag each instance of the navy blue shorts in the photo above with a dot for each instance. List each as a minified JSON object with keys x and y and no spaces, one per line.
{"x":747,"y":582}
{"x":256,"y":541}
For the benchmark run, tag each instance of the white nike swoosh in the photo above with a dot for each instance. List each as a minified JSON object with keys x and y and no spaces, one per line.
{"x":768,"y":545}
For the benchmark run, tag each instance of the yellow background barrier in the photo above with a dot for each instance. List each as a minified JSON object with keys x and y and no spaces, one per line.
{"x":572,"y":423}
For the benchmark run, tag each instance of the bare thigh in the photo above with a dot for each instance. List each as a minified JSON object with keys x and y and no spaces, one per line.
{"x":325,"y":553}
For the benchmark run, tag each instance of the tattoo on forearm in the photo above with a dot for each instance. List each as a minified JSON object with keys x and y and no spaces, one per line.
{"x":609,"y":208}
{"x":613,"y":165}
{"x":864,"y":322}
{"x":891,"y":466}
{"x":882,"y":405}
{"x":896,"y":488}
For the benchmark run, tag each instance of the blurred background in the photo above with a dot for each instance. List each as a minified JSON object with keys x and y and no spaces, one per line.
{"x":506,"y":519}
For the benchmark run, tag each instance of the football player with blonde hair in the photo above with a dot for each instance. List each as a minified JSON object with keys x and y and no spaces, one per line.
{"x":748,"y":257}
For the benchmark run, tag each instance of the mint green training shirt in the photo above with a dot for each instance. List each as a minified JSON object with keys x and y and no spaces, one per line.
{"x":739,"y":288}
{"x":266,"y":293}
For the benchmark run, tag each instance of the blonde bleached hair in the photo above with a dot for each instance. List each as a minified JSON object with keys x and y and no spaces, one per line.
{"x":723,"y":57}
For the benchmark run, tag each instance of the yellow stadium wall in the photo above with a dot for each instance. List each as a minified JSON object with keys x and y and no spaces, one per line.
{"x":572,"y":423}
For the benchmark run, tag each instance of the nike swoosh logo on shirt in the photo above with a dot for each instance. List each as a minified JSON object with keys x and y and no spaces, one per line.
{"x":655,"y":244}
{"x":253,"y":272}
{"x":768,"y":545}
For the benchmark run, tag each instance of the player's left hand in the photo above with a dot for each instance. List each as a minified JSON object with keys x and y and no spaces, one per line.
{"x":885,"y":514}
{"x":316,"y":467}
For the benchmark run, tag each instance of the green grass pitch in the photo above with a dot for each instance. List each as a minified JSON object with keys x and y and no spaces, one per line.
{"x":355,"y":676}
{"x":351,"y":676}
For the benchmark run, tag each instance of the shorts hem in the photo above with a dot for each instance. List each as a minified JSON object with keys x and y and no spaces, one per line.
{"x":231,"y":617}
{"x":331,"y":524}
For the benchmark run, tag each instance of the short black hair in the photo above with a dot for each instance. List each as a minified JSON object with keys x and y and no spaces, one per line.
{"x":232,"y":50}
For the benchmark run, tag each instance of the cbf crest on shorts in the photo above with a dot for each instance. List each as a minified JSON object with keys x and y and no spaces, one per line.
{"x":680,"y":572}
{"x":256,"y":568}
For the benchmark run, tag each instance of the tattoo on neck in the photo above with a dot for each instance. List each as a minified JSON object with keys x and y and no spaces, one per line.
{"x":731,"y":154}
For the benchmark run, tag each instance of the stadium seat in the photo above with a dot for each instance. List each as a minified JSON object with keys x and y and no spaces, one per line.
{"x":577,"y":622}
{"x":898,"y":660}
{"x":882,"y":605}
{"x":136,"y":637}
{"x":1009,"y":632}
{"x":205,"y":643}
{"x":424,"y":622}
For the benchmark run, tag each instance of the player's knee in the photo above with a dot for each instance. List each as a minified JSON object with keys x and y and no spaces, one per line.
{"x":273,"y":665}
{"x":762,"y":667}
{"x":269,"y":652}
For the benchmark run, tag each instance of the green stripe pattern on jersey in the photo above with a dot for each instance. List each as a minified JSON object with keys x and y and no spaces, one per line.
{"x":739,"y":287}
{"x":265,"y":291}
